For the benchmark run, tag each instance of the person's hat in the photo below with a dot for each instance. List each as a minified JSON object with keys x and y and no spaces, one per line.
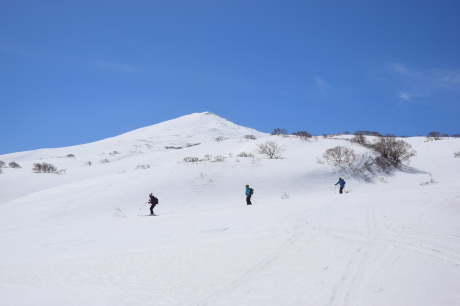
{"x":247,"y":185}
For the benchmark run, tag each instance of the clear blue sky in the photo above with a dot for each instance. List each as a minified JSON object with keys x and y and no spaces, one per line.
{"x":73,"y":72}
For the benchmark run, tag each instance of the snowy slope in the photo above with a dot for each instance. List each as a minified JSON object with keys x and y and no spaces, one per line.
{"x":65,"y":238}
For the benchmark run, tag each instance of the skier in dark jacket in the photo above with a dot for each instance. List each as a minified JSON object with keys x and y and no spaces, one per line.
{"x":153,"y":201}
{"x":248,"y":195}
{"x":341,"y":183}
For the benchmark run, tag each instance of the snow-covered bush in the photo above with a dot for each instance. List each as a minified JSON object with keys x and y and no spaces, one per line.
{"x":2,"y":164}
{"x":250,"y":137}
{"x":14,"y":165}
{"x":271,"y":149}
{"x":143,"y":166}
{"x":44,"y":168}
{"x":220,"y":138}
{"x":457,"y":154}
{"x":88,"y":163}
{"x":105,"y":161}
{"x":188,"y":145}
{"x":70,"y":156}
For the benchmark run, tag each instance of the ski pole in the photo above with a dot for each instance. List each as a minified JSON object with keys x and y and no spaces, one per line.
{"x":335,"y":189}
{"x":142,"y":206}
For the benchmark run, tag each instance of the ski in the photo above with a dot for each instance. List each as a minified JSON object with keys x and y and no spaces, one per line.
{"x":147,"y":215}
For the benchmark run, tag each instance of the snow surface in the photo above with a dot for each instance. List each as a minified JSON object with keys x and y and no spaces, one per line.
{"x":77,"y":239}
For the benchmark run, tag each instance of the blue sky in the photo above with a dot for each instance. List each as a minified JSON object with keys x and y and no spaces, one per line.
{"x":73,"y":72}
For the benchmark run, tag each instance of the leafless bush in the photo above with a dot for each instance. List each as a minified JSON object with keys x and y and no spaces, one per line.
{"x":395,"y":151}
{"x":2,"y":164}
{"x":105,"y":161}
{"x":143,"y":166}
{"x":14,"y":165}
{"x":430,"y":182}
{"x":190,"y":159}
{"x":220,"y":138}
{"x":244,"y":154}
{"x":219,"y":158}
{"x":271,"y":149}
{"x":279,"y":131}
{"x":369,"y":133}
{"x":456,"y":135}
{"x":250,"y":137}
{"x":62,"y":171}
{"x":44,"y":168}
{"x":339,"y":156}
{"x":207,"y":157}
{"x":70,"y":156}
{"x":457,"y":154}
{"x":188,"y":145}
{"x":359,"y":139}
{"x":434,"y":136}
{"x":285,"y":196}
{"x":303,"y":135}
{"x":172,"y":147}
{"x":88,"y":163}
{"x":114,"y":153}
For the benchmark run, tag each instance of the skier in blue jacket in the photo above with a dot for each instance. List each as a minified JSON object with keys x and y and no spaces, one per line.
{"x":341,"y":183}
{"x":248,"y":195}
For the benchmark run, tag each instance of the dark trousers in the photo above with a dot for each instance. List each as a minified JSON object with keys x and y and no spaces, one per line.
{"x":248,"y":200}
{"x":341,"y":189}
{"x":151,"y":208}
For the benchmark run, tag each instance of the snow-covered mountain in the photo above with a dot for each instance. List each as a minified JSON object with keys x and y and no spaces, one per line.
{"x":76,"y":238}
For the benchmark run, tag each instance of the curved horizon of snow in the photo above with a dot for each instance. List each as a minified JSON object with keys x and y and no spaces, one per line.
{"x":77,"y":238}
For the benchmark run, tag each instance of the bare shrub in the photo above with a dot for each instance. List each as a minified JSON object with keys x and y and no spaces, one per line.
{"x":14,"y":165}
{"x":395,"y":151}
{"x":114,"y":153}
{"x":339,"y":155}
{"x":62,"y":171}
{"x":88,"y":163}
{"x":70,"y":156}
{"x":279,"y":131}
{"x":2,"y":164}
{"x":105,"y":161}
{"x":457,"y":154}
{"x":434,"y":136}
{"x":271,"y":149}
{"x":250,"y":137}
{"x":143,"y":166}
{"x":207,"y":157}
{"x":219,"y":158}
{"x":244,"y":154}
{"x":359,"y":139}
{"x":1,"y":171}
{"x":369,"y":133}
{"x":285,"y":196}
{"x":303,"y":135}
{"x":44,"y":168}
{"x":172,"y":147}
{"x":188,"y":145}
{"x":456,"y":135}
{"x":220,"y":138}
{"x":190,"y":159}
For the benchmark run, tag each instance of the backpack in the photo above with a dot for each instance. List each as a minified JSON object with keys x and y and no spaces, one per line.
{"x":251,"y":191}
{"x":155,"y":200}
